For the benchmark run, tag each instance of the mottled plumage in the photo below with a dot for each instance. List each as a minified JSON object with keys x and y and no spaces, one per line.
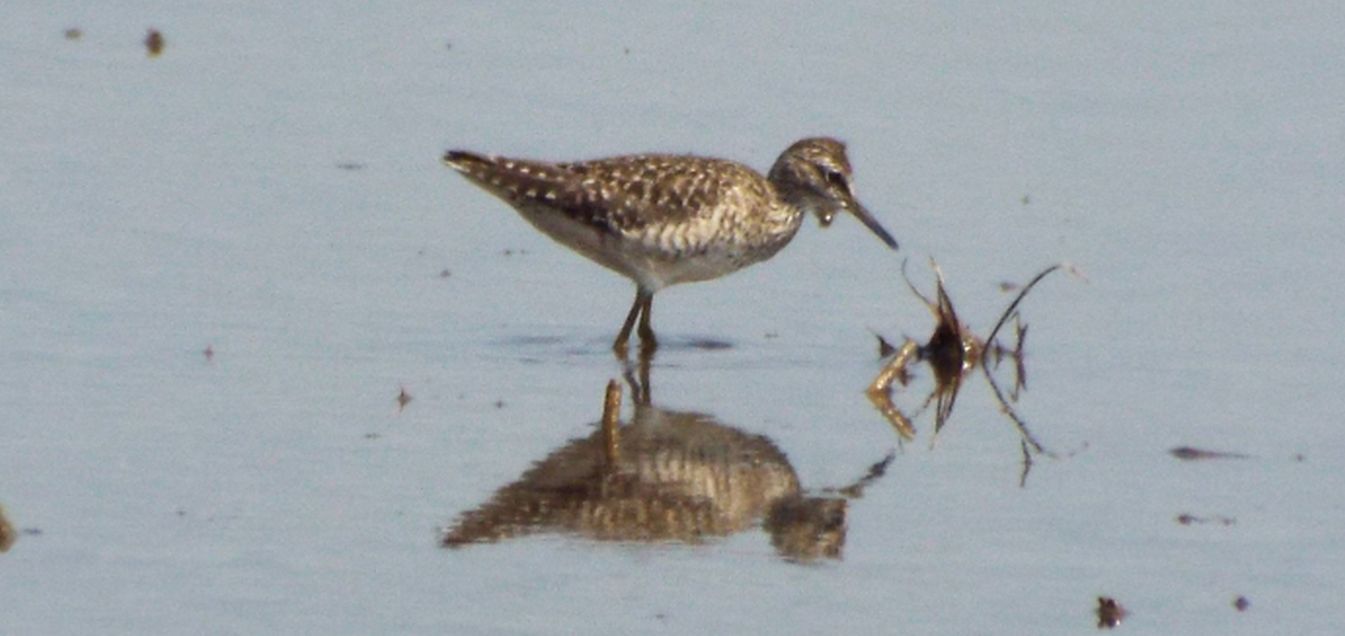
{"x":666,"y":219}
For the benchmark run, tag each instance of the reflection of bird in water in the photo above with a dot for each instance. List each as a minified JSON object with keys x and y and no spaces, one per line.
{"x":677,"y":476}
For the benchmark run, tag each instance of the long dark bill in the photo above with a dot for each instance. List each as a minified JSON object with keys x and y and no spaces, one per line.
{"x":871,"y":223}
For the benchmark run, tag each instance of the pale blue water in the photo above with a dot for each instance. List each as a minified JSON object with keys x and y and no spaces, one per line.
{"x":1186,"y":159}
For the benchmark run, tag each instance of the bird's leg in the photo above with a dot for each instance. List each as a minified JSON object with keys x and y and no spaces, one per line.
{"x":647,"y":340}
{"x":635,"y":309}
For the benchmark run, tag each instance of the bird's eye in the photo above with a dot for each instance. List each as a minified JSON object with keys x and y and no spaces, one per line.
{"x":836,"y":179}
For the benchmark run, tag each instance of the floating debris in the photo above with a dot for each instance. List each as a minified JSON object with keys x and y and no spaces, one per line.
{"x":1241,"y":603}
{"x":209,"y":353}
{"x":1109,"y":612}
{"x":154,"y":43}
{"x":403,"y":398}
{"x":1188,"y":453}
{"x":350,"y":166}
{"x":951,"y":352}
{"x":73,"y":33}
{"x":1188,"y":519}
{"x":444,"y":273}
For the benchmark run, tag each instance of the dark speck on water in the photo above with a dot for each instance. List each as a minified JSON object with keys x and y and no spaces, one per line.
{"x":1190,"y":454}
{"x":1109,"y":612}
{"x":1187,"y":519}
{"x":154,"y":43}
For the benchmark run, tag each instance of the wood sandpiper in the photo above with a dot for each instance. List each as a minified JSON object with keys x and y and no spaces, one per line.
{"x":660,"y":220}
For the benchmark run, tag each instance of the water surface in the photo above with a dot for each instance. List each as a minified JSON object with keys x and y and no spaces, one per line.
{"x":268,"y":188}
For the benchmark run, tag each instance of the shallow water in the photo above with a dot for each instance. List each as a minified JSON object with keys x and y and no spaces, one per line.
{"x":268,"y":188}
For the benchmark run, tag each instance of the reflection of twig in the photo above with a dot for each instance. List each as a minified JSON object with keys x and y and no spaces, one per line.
{"x":611,"y":414}
{"x":947,"y":397}
{"x":1013,"y":415}
{"x":1027,"y":464}
{"x":1019,"y":369}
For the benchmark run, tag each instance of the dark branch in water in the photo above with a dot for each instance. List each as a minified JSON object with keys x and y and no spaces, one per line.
{"x":952,"y":351}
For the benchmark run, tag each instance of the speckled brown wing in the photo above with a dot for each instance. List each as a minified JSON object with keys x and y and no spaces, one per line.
{"x":568,"y":189}
{"x":622,"y":195}
{"x":666,"y":189}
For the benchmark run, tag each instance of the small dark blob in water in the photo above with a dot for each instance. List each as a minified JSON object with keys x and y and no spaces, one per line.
{"x":511,"y":252}
{"x":1109,"y":612}
{"x":1190,"y":454}
{"x":350,"y":166}
{"x":209,"y":353}
{"x":1241,"y":603}
{"x":1026,"y":199}
{"x":372,"y":436}
{"x":154,"y":43}
{"x":1187,"y":519}
{"x":403,"y":398}
{"x":73,"y":33}
{"x":444,"y":273}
